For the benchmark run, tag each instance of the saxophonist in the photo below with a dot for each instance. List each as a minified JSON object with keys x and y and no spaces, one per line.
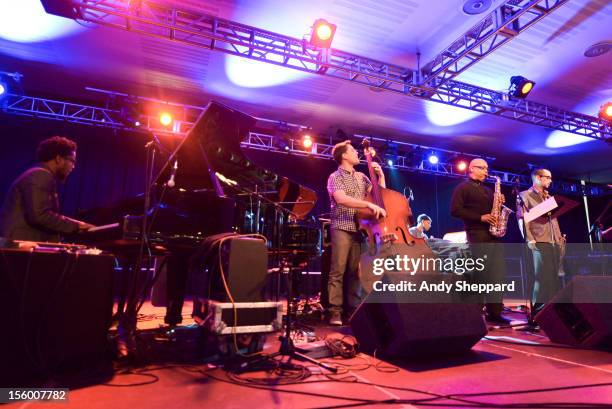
{"x":544,"y":239}
{"x":473,"y":202}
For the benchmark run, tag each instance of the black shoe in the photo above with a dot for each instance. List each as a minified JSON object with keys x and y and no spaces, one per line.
{"x":497,"y":319}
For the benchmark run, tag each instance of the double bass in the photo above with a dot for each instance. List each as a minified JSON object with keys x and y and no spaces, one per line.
{"x":393,"y":228}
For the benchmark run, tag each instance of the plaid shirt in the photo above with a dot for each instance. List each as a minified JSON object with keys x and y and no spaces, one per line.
{"x":356,"y":185}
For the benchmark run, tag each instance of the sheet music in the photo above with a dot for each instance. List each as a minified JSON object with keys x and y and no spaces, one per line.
{"x":541,"y":209}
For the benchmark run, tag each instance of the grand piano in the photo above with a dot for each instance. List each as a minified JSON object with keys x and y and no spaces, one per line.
{"x":206,"y":186}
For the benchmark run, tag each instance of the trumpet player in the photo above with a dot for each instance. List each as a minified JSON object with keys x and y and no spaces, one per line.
{"x":472,"y":202}
{"x":543,"y":237}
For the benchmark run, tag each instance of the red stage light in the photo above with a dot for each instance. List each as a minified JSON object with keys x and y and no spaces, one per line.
{"x":307,"y":141}
{"x":461,"y":166}
{"x":605,"y":112}
{"x":322,"y":33}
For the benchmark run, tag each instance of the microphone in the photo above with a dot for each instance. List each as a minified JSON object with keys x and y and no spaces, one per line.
{"x":411,"y":195}
{"x":170,"y":182}
{"x":516,"y":189}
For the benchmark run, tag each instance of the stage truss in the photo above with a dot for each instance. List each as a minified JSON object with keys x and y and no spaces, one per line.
{"x":210,"y":32}
{"x":112,"y":118}
{"x":500,"y":26}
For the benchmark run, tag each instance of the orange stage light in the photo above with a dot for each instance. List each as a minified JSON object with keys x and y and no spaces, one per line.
{"x":165,"y":118}
{"x":322,"y":33}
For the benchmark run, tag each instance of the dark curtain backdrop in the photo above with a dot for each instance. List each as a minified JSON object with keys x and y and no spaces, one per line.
{"x":111,"y":166}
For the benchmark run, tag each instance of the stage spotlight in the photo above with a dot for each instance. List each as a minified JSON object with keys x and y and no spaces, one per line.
{"x":10,"y":82}
{"x":165,"y":118}
{"x":322,"y":33}
{"x":282,"y":143}
{"x":307,"y":141}
{"x":605,"y":112}
{"x":520,"y":87}
{"x":129,"y":112}
{"x":461,"y":166}
{"x":433,"y":159}
{"x":390,"y":162}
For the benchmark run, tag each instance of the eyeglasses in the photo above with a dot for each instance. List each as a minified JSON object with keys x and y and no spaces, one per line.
{"x":546,"y":177}
{"x":481,"y":167}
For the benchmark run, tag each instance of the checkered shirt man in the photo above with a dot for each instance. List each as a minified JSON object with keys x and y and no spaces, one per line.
{"x":356,"y":185}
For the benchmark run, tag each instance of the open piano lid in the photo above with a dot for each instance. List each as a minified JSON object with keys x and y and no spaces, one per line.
{"x":218,"y":130}
{"x":212,"y":146}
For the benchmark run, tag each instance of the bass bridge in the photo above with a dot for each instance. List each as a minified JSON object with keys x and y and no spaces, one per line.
{"x":389,"y":238}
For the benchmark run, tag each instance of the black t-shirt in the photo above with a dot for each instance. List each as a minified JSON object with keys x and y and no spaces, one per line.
{"x":471,"y":199}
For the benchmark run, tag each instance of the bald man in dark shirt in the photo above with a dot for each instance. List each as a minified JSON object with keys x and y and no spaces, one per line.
{"x":472,"y":202}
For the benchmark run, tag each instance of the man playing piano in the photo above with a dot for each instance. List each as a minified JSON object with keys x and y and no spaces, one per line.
{"x":31,"y":207}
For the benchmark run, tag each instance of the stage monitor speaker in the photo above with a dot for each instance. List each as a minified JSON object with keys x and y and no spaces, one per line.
{"x":57,"y":310}
{"x":245,"y":264}
{"x":579,"y":315}
{"x":412,"y":329}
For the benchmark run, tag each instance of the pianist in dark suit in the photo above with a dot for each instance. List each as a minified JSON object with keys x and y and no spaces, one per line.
{"x":31,"y":208}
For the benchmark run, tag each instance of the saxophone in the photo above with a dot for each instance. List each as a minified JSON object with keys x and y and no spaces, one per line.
{"x":499,"y":211}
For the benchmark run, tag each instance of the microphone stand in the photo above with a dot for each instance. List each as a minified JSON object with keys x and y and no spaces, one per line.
{"x":287,"y":348}
{"x":530,"y":325}
{"x":127,"y":326}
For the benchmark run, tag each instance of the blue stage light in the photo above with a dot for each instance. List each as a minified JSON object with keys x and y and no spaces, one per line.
{"x":390,"y":162}
{"x":433,"y":159}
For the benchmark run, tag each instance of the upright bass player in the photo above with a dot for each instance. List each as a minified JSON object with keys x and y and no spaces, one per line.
{"x":347,"y":190}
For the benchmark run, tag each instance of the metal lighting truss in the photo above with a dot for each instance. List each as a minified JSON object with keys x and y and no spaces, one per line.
{"x":111,"y":118}
{"x":87,"y":114}
{"x":324,"y":151}
{"x":496,"y":29}
{"x":59,"y":110}
{"x":210,"y":32}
